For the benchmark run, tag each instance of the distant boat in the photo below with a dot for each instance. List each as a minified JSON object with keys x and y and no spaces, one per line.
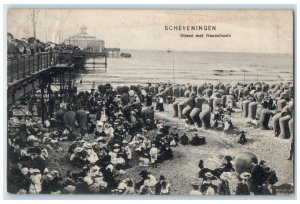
{"x":168,"y":50}
{"x":126,"y":55}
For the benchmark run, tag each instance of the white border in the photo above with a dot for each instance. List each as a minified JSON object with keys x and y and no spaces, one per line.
{"x":120,"y":3}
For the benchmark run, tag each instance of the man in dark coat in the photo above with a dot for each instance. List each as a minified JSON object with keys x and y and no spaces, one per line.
{"x":158,"y":185}
{"x":258,"y":177}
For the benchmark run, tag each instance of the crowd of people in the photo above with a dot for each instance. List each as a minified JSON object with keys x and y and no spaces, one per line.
{"x":259,"y":181}
{"x":107,"y":132}
{"x":31,"y":46}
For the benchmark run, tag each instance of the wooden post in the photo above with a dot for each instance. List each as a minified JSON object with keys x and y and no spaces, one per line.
{"x":105,"y":63}
{"x":17,"y":69}
{"x":42,"y":101}
{"x":24,"y":67}
{"x":29,"y":65}
{"x":33,"y":64}
{"x":11,"y":71}
{"x":60,"y":82}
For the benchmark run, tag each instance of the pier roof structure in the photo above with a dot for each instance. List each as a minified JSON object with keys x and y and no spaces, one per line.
{"x":86,"y":41}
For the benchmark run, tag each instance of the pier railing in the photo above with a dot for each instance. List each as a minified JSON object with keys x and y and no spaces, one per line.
{"x":24,"y":65}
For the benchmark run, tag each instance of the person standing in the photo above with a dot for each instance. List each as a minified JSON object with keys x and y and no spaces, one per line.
{"x":223,"y":188}
{"x":153,"y":155}
{"x":243,"y":187}
{"x":258,"y":177}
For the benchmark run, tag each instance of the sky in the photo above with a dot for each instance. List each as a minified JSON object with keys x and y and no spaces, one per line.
{"x":252,"y":31}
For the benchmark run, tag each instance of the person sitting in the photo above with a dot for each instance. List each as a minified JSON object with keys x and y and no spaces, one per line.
{"x":160,"y":103}
{"x":228,"y":166}
{"x":242,"y":139}
{"x":195,"y":190}
{"x":165,"y":188}
{"x":184,"y":140}
{"x":79,"y":157}
{"x":196,"y":140}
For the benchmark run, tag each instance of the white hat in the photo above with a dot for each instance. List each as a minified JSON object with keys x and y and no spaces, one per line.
{"x":208,"y":175}
{"x":245,"y":175}
{"x":88,"y":180}
{"x":31,"y":138}
{"x":49,"y":176}
{"x":87,"y":146}
{"x":110,"y":167}
{"x":225,"y":176}
{"x":125,"y":142}
{"x":78,"y":149}
{"x":24,"y":170}
{"x":131,"y":93}
{"x":34,"y":171}
{"x":99,"y":123}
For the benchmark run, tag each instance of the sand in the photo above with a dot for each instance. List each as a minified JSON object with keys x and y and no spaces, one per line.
{"x":183,"y":169}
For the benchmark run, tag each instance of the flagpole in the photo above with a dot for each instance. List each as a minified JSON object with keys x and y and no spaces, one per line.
{"x":173,"y":73}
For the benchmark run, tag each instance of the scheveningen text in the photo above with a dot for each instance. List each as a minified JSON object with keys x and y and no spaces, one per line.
{"x":190,"y":27}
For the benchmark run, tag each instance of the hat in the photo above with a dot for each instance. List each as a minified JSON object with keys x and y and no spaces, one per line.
{"x":110,"y":167}
{"x":31,"y":138}
{"x":24,"y":170}
{"x":56,"y":133}
{"x":78,"y":149}
{"x":225,"y":176}
{"x":69,"y":189}
{"x":116,"y":145}
{"x":228,"y":158}
{"x":87,"y":146}
{"x":9,"y":34}
{"x":22,"y":191}
{"x":125,"y":142}
{"x":245,"y":175}
{"x":196,"y":182}
{"x":162,"y":177}
{"x":122,"y":186}
{"x":54,"y":172}
{"x":144,"y":172}
{"x":93,"y":170}
{"x":150,"y":182}
{"x":126,"y":180}
{"x":49,"y":177}
{"x":99,"y":123}
{"x":102,"y":184}
{"x":34,"y":150}
{"x":32,"y":171}
{"x":35,"y":126}
{"x":208,"y":175}
{"x":46,"y":139}
{"x":88,"y":180}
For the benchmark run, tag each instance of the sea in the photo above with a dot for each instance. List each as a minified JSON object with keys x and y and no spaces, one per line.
{"x":177,"y":67}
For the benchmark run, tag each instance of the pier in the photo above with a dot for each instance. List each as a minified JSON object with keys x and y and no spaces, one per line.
{"x":28,"y":73}
{"x":113,"y":52}
{"x":100,"y":56}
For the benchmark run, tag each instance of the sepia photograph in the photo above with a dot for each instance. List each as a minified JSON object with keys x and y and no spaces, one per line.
{"x":162,"y":102}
